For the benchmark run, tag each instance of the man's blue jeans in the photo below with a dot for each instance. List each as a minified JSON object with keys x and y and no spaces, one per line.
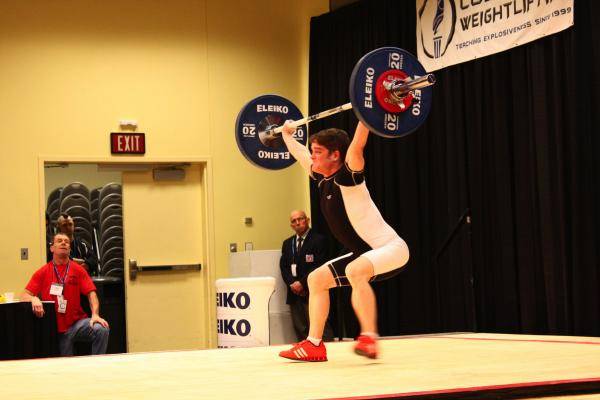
{"x":81,"y":331}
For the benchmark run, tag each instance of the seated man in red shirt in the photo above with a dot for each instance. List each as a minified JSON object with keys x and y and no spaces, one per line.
{"x":64,"y":281}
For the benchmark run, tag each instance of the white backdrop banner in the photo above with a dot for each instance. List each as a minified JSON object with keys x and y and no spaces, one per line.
{"x":454,"y":31}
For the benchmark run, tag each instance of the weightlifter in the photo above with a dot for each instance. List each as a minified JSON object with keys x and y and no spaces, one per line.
{"x":377,"y":252}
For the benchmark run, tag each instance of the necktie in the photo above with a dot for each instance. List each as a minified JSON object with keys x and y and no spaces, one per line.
{"x":299,"y":244}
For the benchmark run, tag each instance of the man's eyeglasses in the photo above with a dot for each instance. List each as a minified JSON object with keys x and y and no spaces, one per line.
{"x":295,"y":220}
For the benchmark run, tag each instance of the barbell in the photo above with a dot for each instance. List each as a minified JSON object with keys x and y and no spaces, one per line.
{"x":390,"y":92}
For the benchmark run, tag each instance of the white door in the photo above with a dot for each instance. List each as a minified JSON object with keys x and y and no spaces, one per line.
{"x":165,"y":225}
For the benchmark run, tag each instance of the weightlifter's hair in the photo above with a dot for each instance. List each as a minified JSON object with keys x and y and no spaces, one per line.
{"x":333,"y":139}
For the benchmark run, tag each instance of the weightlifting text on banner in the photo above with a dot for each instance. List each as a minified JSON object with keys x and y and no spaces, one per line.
{"x":453,"y":31}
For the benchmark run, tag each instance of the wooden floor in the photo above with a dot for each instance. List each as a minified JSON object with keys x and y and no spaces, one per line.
{"x":429,"y":366}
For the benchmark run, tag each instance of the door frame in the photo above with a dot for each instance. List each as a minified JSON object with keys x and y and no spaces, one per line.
{"x":208,"y":271}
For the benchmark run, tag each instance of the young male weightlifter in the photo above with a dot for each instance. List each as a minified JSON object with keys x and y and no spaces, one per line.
{"x":377,"y":252}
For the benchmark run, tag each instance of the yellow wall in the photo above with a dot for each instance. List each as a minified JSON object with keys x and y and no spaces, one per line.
{"x":255,"y":50}
{"x":71,"y":69}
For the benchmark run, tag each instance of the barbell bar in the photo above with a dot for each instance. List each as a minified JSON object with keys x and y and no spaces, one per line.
{"x":398,"y":90}
{"x":390,"y":92}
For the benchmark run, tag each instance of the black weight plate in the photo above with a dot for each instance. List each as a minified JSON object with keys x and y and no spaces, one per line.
{"x":362,"y":92}
{"x":262,"y":113}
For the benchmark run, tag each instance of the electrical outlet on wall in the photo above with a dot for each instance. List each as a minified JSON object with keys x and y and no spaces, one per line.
{"x":24,"y":253}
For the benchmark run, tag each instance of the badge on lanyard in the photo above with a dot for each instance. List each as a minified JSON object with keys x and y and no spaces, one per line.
{"x":56,"y":289}
{"x":62,"y":304}
{"x":294,"y":272}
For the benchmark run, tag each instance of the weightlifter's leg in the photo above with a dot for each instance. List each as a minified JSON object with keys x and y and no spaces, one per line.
{"x":313,"y":349}
{"x":319,"y":283}
{"x":359,"y":272}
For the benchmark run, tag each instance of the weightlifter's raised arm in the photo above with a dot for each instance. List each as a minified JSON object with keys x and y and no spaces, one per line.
{"x":296,"y":149}
{"x":354,"y":157}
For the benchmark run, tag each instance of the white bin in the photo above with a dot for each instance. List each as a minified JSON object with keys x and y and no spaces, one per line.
{"x":266,"y":263}
{"x":243,"y":311}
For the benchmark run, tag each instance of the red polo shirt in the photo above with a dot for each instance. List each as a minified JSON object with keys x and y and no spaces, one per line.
{"x":77,"y":282}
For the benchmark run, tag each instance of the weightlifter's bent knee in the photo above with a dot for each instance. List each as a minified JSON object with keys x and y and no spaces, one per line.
{"x":359,"y":271}
{"x":320,"y":279}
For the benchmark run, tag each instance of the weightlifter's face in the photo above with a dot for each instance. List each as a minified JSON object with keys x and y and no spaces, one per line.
{"x":324,"y":161}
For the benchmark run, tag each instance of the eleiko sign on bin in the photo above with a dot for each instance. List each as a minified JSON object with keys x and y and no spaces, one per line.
{"x":243,"y":311}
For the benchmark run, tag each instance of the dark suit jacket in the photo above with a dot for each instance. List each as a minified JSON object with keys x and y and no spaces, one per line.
{"x":314,"y":247}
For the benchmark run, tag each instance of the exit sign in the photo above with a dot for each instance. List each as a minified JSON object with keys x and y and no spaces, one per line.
{"x":127,"y":143}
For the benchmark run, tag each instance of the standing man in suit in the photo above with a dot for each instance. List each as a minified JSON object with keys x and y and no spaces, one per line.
{"x":301,"y":254}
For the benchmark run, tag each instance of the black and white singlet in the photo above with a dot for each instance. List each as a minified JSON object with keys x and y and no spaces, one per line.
{"x":358,"y":225}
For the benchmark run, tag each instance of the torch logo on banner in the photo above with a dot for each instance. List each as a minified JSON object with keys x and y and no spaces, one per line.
{"x":440,"y":15}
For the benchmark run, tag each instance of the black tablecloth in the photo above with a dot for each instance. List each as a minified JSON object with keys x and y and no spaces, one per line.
{"x":23,"y":335}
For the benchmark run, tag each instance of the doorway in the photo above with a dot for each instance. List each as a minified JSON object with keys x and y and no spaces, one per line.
{"x":166,"y":221}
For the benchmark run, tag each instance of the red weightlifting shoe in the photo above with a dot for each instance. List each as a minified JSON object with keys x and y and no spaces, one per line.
{"x":306,"y":351}
{"x":366,"y":346}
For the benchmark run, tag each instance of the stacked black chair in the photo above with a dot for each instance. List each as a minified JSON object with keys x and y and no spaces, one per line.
{"x":53,"y":206}
{"x":75,"y":202}
{"x":98,"y":219}
{"x":53,"y":196}
{"x":113,"y":230}
{"x":85,"y":235}
{"x":75,"y":188}
{"x":111,"y":199}
{"x":109,"y":210}
{"x":78,"y":212}
{"x":94,"y":195}
{"x":110,"y":222}
{"x":109,"y":188}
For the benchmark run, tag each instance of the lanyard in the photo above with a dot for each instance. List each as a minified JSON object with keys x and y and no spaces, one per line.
{"x":62,"y":281}
{"x":294,"y":248}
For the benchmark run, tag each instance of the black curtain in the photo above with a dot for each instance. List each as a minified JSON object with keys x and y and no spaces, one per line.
{"x":510,"y":146}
